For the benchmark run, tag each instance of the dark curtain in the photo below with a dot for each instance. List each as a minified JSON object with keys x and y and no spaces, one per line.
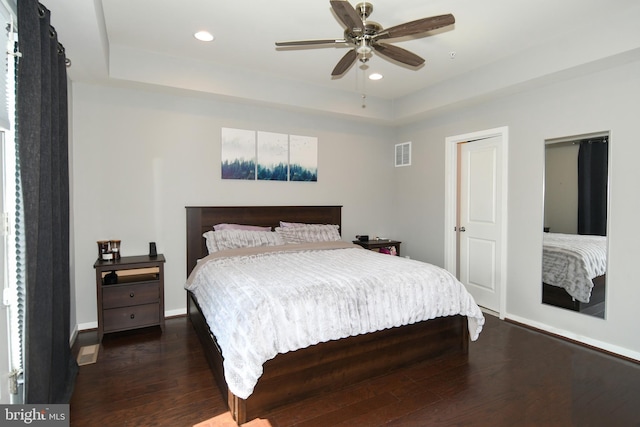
{"x":592,"y":186}
{"x":42,"y":132}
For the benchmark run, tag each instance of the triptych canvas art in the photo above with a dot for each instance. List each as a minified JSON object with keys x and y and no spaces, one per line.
{"x":258,"y":155}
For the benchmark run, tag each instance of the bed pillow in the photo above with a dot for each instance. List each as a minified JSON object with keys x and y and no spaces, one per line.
{"x":233,"y":239}
{"x":292,"y":224}
{"x":309,"y":233}
{"x":225,"y":226}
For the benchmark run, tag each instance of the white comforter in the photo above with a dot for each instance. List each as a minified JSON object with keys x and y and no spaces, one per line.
{"x":572,"y":261}
{"x":259,"y":304}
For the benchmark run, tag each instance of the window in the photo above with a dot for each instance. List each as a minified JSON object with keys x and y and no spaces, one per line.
{"x":13,"y":277}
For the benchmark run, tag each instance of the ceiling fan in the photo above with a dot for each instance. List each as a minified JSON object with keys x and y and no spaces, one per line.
{"x":368,"y":36}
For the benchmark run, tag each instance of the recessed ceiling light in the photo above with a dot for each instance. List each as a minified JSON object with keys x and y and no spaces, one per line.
{"x":375,"y":76}
{"x":204,"y":36}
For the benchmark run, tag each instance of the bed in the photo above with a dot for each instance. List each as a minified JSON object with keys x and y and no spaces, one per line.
{"x":329,"y":364}
{"x":574,"y":272}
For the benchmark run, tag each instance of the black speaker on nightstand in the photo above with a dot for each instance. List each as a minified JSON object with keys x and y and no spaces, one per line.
{"x":153,"y":252}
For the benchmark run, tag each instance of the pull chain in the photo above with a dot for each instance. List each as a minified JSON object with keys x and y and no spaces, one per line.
{"x":363,"y":95}
{"x":364,"y":82}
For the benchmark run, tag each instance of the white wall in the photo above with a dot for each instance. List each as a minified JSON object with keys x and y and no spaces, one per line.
{"x":561,"y":188}
{"x":140,"y":157}
{"x":605,"y":101}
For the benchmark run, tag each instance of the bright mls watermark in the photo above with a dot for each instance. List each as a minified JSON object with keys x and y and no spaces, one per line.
{"x":36,"y":415}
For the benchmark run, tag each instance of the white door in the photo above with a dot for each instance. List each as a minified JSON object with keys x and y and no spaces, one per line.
{"x":476,"y":202}
{"x":479,"y":220}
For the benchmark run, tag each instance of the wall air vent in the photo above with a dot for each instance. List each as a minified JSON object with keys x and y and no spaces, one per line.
{"x":403,"y":154}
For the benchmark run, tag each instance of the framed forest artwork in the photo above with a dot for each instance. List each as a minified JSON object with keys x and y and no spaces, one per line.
{"x":268,"y":156}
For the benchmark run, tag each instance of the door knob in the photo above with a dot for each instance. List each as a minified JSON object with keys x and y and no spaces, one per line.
{"x":462,"y":229}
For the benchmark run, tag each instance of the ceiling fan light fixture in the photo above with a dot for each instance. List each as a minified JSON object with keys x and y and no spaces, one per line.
{"x":204,"y":36}
{"x":363,"y":48}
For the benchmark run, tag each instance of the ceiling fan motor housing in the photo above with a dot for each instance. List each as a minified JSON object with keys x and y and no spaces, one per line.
{"x":364,"y":9}
{"x":370,"y":30}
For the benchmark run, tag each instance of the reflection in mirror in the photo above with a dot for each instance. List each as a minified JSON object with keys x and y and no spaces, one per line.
{"x":574,"y":255}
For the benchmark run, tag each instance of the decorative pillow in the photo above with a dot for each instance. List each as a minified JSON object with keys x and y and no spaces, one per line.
{"x":309,"y":233}
{"x":219,"y":227}
{"x":232,"y":239}
{"x":292,"y":224}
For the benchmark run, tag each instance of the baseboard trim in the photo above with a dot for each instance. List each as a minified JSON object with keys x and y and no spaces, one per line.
{"x":611,"y":350}
{"x":73,"y":336}
{"x":175,"y":313}
{"x":89,"y":326}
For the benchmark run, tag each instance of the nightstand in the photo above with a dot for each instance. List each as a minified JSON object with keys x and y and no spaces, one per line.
{"x":135,"y":298}
{"x":376,"y":245}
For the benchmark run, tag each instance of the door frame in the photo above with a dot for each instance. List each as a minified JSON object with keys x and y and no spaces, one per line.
{"x":451,"y":202}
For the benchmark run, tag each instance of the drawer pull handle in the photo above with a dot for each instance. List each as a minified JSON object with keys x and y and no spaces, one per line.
{"x":132,"y":295}
{"x":133,"y":316}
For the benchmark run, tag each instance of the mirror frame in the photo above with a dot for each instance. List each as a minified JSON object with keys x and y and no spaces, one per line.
{"x":558,"y":296}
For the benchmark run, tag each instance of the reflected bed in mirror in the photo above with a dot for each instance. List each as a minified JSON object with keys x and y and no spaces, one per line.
{"x":574,"y":255}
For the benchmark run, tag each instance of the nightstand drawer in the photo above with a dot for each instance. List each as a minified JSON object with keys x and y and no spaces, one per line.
{"x":131,"y":317}
{"x":114,"y":296}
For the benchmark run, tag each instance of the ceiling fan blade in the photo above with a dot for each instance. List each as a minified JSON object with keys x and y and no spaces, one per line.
{"x":310,"y":42}
{"x":343,"y":65}
{"x":417,"y":27}
{"x":398,"y":54}
{"x":347,"y":15}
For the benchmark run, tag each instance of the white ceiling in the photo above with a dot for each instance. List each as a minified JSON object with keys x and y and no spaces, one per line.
{"x":499,"y":46}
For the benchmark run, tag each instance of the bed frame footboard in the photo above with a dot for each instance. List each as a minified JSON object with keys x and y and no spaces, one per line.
{"x":333,"y":365}
{"x":557,"y":296}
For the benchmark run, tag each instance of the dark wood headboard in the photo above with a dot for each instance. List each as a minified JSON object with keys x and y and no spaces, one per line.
{"x":201,"y":219}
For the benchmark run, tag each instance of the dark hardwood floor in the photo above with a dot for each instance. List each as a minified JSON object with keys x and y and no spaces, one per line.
{"x":512,"y":377}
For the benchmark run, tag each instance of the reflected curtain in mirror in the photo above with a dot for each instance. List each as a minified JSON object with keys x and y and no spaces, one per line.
{"x":592,"y":186}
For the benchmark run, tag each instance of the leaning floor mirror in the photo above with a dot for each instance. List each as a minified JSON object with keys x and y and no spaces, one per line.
{"x":574,"y":253}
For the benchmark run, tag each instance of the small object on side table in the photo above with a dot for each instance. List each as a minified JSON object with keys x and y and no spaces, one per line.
{"x":115,"y":248}
{"x":377,"y":245}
